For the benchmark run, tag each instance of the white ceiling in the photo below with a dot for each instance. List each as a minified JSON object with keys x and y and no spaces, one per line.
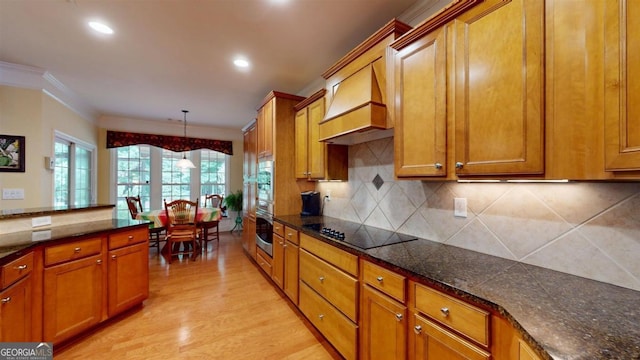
{"x":169,"y":55}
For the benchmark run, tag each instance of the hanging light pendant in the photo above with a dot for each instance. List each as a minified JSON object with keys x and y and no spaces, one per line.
{"x":185,"y":163}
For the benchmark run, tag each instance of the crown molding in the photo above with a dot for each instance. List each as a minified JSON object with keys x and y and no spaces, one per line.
{"x":422,"y":10}
{"x":32,"y":77}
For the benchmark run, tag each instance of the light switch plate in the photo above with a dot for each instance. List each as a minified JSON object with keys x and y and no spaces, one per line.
{"x":460,"y":207}
{"x":12,"y":194}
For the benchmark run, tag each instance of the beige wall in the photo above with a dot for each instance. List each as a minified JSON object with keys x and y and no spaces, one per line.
{"x":35,"y":115}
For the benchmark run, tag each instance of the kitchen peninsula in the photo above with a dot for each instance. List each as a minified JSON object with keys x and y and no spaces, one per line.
{"x":59,"y":281}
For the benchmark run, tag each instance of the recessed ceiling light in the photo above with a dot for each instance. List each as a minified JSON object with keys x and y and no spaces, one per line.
{"x":241,"y":63}
{"x":100,"y":27}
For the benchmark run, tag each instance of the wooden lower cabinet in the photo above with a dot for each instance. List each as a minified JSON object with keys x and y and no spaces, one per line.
{"x":128,"y":277}
{"x":291,"y":273}
{"x":73,"y":297}
{"x":341,"y":332}
{"x":429,"y":341}
{"x":264,"y":261}
{"x":383,"y":326}
{"x":277,"y":263}
{"x":249,"y":236}
{"x":15,"y":312}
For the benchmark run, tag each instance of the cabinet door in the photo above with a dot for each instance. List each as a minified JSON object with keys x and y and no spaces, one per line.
{"x":277,"y":265}
{"x":265,"y":129}
{"x":430,"y":342}
{"x":250,"y":170}
{"x":302,"y":142}
{"x":316,"y":149}
{"x":383,"y":326}
{"x":420,"y":139}
{"x":499,"y":118}
{"x":73,"y":294}
{"x":291,"y":271}
{"x":15,"y":312}
{"x":128,"y":277}
{"x":622,"y":85}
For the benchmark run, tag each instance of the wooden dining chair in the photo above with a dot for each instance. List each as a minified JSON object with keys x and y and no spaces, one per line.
{"x":210,"y":230}
{"x":181,"y":227}
{"x":155,"y":233}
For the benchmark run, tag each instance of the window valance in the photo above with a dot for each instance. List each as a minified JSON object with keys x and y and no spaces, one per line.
{"x":174,"y":143}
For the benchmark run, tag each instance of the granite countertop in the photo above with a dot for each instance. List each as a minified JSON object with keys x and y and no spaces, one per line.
{"x":43,"y":211}
{"x":560,"y":315}
{"x":14,"y":243}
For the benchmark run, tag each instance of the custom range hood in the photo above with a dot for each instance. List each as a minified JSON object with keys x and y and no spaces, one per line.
{"x":359,"y":109}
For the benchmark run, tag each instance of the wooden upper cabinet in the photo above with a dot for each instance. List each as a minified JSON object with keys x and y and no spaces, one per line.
{"x":420,"y":139}
{"x":265,"y":129}
{"x":499,"y":79}
{"x":316,"y":160}
{"x":622,"y":85}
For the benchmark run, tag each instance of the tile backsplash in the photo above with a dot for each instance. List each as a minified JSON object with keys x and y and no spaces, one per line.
{"x":589,"y":229}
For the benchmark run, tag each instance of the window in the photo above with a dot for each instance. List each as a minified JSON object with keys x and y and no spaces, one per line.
{"x":73,"y":172}
{"x":212,"y":172}
{"x":151,"y":173}
{"x":133,"y":176}
{"x":176,"y":183}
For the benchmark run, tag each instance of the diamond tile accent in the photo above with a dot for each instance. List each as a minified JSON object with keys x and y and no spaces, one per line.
{"x":377,"y":182}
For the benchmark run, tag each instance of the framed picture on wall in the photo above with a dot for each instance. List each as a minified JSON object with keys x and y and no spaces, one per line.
{"x":12,"y":149}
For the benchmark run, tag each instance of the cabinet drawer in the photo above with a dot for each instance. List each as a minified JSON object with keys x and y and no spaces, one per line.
{"x":430,"y":341}
{"x":264,"y":261}
{"x":338,"y":287}
{"x":384,"y":280}
{"x":121,"y":239}
{"x":458,"y":315}
{"x":72,"y":251}
{"x":17,"y":269}
{"x":291,"y":235}
{"x":278,"y":228}
{"x":331,"y":254}
{"x":338,"y":329}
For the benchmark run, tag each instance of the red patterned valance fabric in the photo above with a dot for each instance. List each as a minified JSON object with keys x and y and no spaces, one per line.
{"x":174,"y":143}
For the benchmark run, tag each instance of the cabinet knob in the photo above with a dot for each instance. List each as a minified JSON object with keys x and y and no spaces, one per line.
{"x":130,"y":237}
{"x":321,"y":278}
{"x":99,"y":262}
{"x":77,"y":250}
{"x":289,"y":235}
{"x":6,"y":300}
{"x":114,"y":257}
{"x":379,"y":278}
{"x":417,"y":329}
{"x":399,"y":317}
{"x":21,"y":267}
{"x":321,"y":316}
{"x":438,"y":166}
{"x":459,"y":165}
{"x":445,"y":311}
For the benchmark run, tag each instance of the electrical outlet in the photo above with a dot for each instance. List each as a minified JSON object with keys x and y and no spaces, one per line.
{"x":328,"y":195}
{"x":460,"y":207}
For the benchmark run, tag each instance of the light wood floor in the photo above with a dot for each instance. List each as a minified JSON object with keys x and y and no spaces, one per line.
{"x":217,"y":307}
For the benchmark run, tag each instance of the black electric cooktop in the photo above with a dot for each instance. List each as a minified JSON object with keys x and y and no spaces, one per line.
{"x":358,"y":235}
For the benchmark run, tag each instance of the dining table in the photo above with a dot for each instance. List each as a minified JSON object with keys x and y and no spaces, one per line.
{"x":159,"y":217}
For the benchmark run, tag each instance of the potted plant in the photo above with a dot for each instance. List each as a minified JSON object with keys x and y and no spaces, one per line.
{"x":233,"y":202}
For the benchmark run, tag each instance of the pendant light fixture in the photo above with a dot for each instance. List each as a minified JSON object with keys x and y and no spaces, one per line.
{"x":185,"y":163}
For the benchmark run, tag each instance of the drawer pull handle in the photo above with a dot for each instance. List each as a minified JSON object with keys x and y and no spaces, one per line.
{"x":130,"y":237}
{"x":6,"y":300}
{"x":21,"y":267}
{"x":445,"y":311}
{"x":289,"y":235}
{"x":114,"y":257}
{"x":77,"y":250}
{"x":417,"y":329}
{"x":99,"y":262}
{"x":399,"y":317}
{"x":380,"y":278}
{"x":321,"y":278}
{"x":321,"y":316}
